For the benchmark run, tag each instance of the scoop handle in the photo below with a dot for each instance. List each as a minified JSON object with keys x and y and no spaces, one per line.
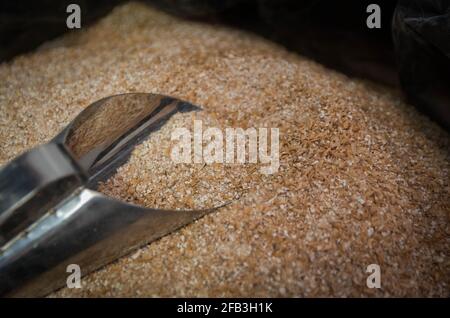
{"x":32,"y":184}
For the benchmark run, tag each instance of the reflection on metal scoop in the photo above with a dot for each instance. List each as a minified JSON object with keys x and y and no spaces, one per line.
{"x":50,"y":214}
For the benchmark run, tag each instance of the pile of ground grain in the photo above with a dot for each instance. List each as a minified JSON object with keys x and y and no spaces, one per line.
{"x":363,"y":178}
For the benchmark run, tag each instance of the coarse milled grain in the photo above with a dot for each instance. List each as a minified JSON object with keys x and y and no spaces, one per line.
{"x":363,"y":177}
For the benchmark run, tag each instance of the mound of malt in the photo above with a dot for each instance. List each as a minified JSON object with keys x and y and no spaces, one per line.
{"x":363,"y":178}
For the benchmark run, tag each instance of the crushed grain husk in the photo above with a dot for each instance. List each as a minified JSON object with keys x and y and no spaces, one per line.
{"x":364,"y":178}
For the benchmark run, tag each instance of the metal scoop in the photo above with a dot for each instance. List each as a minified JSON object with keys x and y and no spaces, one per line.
{"x":50,"y":214}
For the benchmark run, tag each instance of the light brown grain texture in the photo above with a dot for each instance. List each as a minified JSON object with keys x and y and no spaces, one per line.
{"x":364,"y":178}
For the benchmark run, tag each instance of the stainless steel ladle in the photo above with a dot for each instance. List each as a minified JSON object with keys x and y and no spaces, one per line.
{"x":50,"y":214}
